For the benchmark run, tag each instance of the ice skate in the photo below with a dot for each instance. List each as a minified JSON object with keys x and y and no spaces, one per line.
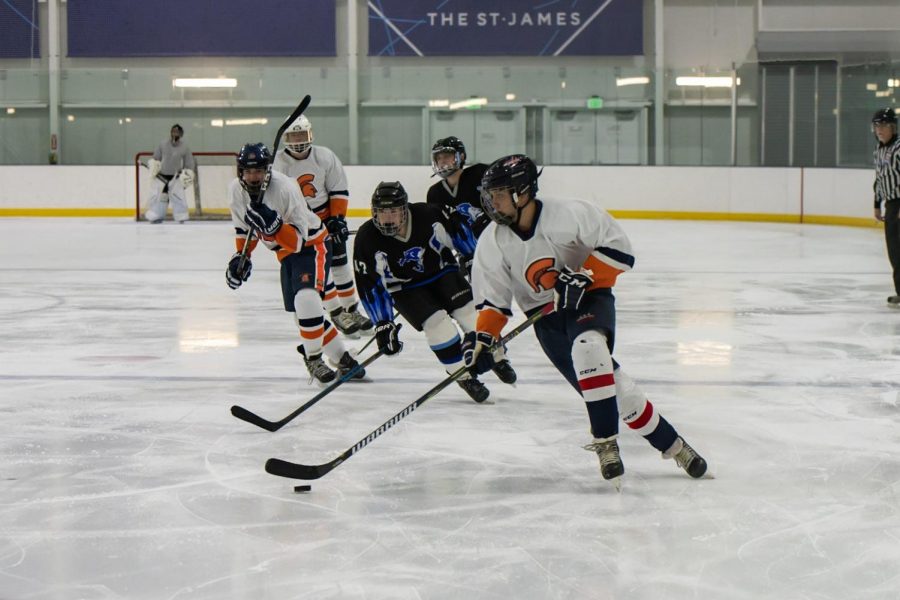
{"x":362,"y":322}
{"x":347,"y":364}
{"x":504,"y":372}
{"x":345,"y":323}
{"x":317,"y":368}
{"x":474,"y":388}
{"x":611,"y":466}
{"x":686,"y":458}
{"x":894,"y":300}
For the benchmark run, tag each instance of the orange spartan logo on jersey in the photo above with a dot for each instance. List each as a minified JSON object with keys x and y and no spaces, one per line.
{"x":541,"y":275}
{"x":307,"y":188}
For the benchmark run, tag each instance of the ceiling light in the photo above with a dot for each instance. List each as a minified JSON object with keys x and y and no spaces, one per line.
{"x":438,"y":103}
{"x":230,"y":122}
{"x":707,"y":82}
{"x":510,"y":97}
{"x":220,"y":82}
{"x":620,"y":81}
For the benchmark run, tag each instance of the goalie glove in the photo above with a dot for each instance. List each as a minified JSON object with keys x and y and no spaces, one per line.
{"x":233,"y":277}
{"x":263,"y":218}
{"x":187,"y":177}
{"x":337,"y":227}
{"x":570,"y":289}
{"x":388,"y":338}
{"x":154,"y":167}
{"x":478,"y":353}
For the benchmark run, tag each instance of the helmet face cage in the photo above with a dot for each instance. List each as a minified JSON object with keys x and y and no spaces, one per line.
{"x":300,"y":125}
{"x":252,"y":156}
{"x":516,"y":173}
{"x":388,"y":196}
{"x":450,"y":145}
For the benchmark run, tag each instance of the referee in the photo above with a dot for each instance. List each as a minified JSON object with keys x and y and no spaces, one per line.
{"x":887,"y":189}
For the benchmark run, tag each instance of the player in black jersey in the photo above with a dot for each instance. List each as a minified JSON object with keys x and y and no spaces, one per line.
{"x":403,"y":259}
{"x":460,"y":187}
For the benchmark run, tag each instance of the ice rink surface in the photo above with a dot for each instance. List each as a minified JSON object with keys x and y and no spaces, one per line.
{"x":123,"y":474}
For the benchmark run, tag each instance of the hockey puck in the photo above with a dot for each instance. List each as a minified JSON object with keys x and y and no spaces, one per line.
{"x":302,"y":488}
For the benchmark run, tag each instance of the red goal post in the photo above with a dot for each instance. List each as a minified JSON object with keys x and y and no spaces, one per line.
{"x":206,"y":199}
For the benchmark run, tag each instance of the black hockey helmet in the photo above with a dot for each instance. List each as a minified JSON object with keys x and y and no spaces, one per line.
{"x":885,"y":115}
{"x":449,"y":145}
{"x":252,"y":156}
{"x":515,"y":172}
{"x":389,"y":195}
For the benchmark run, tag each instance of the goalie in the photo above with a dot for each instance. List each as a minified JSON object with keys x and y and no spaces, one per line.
{"x":172,"y":170}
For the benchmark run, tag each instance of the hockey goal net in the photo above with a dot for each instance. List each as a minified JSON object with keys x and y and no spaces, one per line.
{"x":206,"y":199}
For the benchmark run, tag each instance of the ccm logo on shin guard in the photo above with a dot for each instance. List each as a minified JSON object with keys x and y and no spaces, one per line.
{"x":586,"y":371}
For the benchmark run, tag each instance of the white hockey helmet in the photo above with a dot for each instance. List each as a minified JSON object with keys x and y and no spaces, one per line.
{"x":298,"y":136}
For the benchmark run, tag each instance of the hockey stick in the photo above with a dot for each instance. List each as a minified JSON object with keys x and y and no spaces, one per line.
{"x":245,"y":415}
{"x":283,"y":468}
{"x":304,"y":104}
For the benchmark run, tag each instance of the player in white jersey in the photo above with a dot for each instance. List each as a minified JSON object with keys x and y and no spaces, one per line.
{"x":286,"y":226}
{"x":323,"y":183}
{"x":540,"y":251}
{"x":172,"y":169}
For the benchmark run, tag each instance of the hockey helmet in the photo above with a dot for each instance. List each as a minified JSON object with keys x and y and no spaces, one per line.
{"x":448,"y":145}
{"x":885,"y":115}
{"x":515,"y":172}
{"x":389,"y":196}
{"x":298,"y":137}
{"x":252,"y":156}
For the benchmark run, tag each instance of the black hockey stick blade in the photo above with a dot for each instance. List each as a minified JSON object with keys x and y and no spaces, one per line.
{"x":245,"y":415}
{"x":283,"y":468}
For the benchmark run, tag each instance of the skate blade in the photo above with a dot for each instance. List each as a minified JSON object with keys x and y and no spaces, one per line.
{"x":616,"y":483}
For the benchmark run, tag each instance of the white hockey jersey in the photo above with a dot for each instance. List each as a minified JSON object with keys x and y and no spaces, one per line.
{"x":283,"y":197}
{"x":523,"y":266}
{"x":321,"y":177}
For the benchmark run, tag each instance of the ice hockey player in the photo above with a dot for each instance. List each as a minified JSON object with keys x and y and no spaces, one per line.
{"x":172,"y":170}
{"x":323,"y":183}
{"x":570,"y":253}
{"x":286,"y":225}
{"x":403,"y":259}
{"x":460,"y":187}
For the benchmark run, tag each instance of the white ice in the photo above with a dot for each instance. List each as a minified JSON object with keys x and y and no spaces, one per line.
{"x":123,"y":474}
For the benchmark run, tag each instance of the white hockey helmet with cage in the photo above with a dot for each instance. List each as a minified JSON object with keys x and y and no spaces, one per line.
{"x":298,"y":137}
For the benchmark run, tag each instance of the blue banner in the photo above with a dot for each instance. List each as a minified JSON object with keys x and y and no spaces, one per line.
{"x":505,"y":27}
{"x":19,"y":33}
{"x":200,"y":28}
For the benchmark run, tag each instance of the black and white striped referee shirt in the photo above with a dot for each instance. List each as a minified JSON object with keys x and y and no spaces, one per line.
{"x":887,"y":171}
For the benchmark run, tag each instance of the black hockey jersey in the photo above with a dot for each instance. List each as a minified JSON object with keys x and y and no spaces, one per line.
{"x":387,"y":264}
{"x":466,"y":199}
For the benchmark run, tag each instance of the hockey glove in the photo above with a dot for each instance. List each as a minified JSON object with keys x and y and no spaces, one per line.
{"x":388,"y":338}
{"x":266,"y":220}
{"x":570,"y":289}
{"x":478,"y":353}
{"x":465,"y":266}
{"x":337,"y":227}
{"x":233,"y":277}
{"x":186,"y":176}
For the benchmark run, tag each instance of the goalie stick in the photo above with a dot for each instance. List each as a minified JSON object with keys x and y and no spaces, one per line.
{"x":245,"y":415}
{"x":304,"y":104}
{"x":283,"y":468}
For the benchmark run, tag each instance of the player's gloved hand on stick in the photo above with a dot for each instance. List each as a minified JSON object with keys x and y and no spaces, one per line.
{"x":387,"y":337}
{"x":266,"y":220}
{"x":337,"y":227}
{"x":233,"y":277}
{"x":570,"y":289}
{"x":465,"y":265}
{"x":477,"y":349}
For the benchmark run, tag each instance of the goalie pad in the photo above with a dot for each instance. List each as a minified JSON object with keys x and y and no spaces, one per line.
{"x":154,"y":166}
{"x":187,"y":177}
